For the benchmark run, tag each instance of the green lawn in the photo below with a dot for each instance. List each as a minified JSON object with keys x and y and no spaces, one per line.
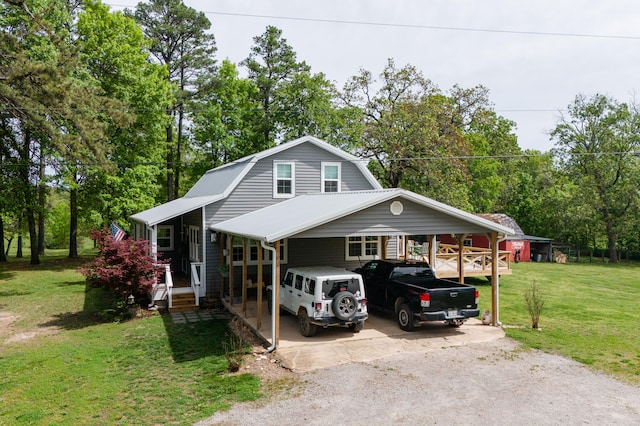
{"x":61,"y":364}
{"x":591,"y":312}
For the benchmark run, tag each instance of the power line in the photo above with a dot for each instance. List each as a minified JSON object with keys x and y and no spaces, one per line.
{"x":429,"y":158}
{"x":414,"y":26}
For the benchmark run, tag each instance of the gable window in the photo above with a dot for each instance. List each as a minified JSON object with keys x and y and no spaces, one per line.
{"x":283,"y":179}
{"x":363,"y":248}
{"x":165,"y":237}
{"x":330,"y":177}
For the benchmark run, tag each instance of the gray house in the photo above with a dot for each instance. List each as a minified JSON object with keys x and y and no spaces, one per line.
{"x":304,"y":202}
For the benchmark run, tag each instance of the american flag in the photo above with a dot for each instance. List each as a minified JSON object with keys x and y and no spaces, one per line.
{"x":116,"y":232}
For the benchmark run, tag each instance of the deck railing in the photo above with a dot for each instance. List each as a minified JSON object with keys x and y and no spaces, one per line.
{"x":196,"y":282}
{"x":168,"y":281}
{"x":476,"y":260}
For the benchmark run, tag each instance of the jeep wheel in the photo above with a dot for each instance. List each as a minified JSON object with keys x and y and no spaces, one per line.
{"x":306,"y":328}
{"x":356,"y":327}
{"x":344,"y":306}
{"x":405,"y":317}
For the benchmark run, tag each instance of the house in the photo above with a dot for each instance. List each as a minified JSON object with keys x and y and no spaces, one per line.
{"x":300,"y":203}
{"x":520,"y":247}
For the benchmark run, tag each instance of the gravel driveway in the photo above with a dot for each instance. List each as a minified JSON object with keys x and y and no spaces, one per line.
{"x":493,"y":383}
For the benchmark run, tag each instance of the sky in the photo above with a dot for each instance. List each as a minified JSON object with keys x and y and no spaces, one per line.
{"x":534,"y":56}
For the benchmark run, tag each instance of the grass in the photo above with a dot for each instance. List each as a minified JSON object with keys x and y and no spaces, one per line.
{"x":61,"y":364}
{"x":590,"y":312}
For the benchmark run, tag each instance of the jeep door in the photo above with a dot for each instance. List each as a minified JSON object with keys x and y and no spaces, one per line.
{"x":286,"y":291}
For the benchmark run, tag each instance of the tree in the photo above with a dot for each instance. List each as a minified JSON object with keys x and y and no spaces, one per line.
{"x":52,"y":110}
{"x":271,"y":64}
{"x":114,"y":51}
{"x":225,"y":112}
{"x":414,"y":133}
{"x":178,"y":40}
{"x":597,"y":142}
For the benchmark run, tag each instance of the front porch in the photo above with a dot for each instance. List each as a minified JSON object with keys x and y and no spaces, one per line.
{"x":177,"y":292}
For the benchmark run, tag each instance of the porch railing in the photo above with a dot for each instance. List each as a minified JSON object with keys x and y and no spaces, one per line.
{"x":475,"y":260}
{"x":196,"y":282}
{"x":168,"y":282}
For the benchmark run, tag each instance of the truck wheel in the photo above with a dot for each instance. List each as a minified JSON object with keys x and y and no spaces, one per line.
{"x":344,"y":306}
{"x":306,"y":328}
{"x":405,"y":317}
{"x":356,"y":327}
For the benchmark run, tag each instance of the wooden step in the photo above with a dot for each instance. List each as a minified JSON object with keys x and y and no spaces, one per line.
{"x":182,"y":302}
{"x":184,"y":308}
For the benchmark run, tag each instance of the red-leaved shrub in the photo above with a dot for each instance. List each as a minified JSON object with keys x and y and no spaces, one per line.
{"x":124,"y":266}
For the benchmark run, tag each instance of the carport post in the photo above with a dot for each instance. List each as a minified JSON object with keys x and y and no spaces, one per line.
{"x":432,"y":251}
{"x":244,"y":276}
{"x":461,"y":238}
{"x":276,"y":286}
{"x":260,"y":285}
{"x":494,"y":279}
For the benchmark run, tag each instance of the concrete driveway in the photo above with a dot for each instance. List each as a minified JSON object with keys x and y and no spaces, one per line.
{"x":381,"y":337}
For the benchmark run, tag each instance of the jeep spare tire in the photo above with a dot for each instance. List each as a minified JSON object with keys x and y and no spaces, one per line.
{"x":344,"y":305}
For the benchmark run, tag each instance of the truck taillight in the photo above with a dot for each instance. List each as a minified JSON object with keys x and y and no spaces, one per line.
{"x":425,"y":299}
{"x":477,"y":296}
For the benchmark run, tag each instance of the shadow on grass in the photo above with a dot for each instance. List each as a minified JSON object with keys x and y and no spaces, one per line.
{"x":75,"y":320}
{"x":98,"y":304}
{"x":11,"y":293}
{"x":47,"y":263}
{"x":192,"y":341}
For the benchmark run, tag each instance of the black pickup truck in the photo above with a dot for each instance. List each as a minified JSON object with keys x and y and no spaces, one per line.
{"x":415,"y":294}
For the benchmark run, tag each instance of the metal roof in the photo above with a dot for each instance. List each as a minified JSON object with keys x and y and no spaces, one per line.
{"x":173,"y":209}
{"x":293,"y":216}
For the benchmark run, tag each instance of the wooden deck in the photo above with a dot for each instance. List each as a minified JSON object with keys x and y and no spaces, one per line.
{"x":476,"y":261}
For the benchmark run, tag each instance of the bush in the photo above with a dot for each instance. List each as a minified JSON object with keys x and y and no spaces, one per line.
{"x":124,"y":267}
{"x":535,"y":303}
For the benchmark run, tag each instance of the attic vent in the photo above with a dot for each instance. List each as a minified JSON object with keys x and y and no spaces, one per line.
{"x":396,"y":208}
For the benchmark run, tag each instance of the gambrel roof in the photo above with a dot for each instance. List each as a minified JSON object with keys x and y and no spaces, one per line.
{"x":216,"y":184}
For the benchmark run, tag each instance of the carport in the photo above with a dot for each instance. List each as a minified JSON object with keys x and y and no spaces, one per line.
{"x":386,"y":212}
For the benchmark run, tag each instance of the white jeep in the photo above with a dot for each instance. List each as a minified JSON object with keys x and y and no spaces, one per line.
{"x":322,"y":296}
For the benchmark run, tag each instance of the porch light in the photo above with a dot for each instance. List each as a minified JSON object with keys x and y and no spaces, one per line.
{"x":214,"y":237}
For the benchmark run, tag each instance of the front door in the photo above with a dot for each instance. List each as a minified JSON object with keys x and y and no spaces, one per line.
{"x":194,"y":243}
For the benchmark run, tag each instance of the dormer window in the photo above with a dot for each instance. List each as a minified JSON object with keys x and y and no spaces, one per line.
{"x":330,"y":177}
{"x":283,"y":179}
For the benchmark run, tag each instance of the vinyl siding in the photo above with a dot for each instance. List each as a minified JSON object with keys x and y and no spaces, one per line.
{"x":378,"y":220}
{"x":256,"y":191}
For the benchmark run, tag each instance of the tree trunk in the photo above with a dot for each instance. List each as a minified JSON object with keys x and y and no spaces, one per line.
{"x":3,"y":256}
{"x":19,"y":254}
{"x":178,"y":159}
{"x":611,"y":237}
{"x":41,"y":203}
{"x":73,"y":221}
{"x":33,"y":236}
{"x":170,"y":189}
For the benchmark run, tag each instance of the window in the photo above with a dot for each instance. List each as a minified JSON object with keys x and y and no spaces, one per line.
{"x":363,"y":248}
{"x":165,"y":237}
{"x":283,"y":180}
{"x":330,"y":177}
{"x":252,"y":257}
